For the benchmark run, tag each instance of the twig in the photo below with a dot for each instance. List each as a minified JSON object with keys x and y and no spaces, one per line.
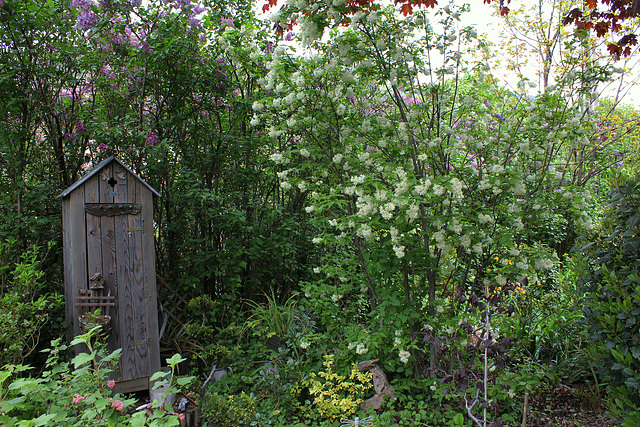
{"x":469,"y":408}
{"x":206,"y":382}
{"x":524,"y":411}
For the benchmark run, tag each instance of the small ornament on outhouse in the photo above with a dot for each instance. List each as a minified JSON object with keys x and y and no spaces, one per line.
{"x":109,"y":264}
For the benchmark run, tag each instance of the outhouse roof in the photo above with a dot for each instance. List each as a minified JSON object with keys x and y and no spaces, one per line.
{"x":97,"y":169}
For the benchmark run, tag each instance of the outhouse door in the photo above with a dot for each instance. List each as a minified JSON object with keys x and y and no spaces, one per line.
{"x":118,"y":217}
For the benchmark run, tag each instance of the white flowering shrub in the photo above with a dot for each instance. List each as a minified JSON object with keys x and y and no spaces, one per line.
{"x":422,"y":177}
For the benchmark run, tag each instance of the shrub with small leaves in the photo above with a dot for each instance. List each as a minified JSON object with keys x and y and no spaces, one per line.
{"x":335,"y":395}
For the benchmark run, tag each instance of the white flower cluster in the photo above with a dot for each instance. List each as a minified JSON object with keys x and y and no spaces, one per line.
{"x":386,"y":210}
{"x":544,"y":263}
{"x":519,"y":188}
{"x":365,"y":232}
{"x":412,"y":213}
{"x":485,"y":219}
{"x":456,"y":188}
{"x":360,"y":347}
{"x":404,"y":356}
{"x":455,"y":226}
{"x":439,"y":236}
{"x":587,"y":224}
{"x":277,"y":158}
{"x":422,"y":188}
{"x":399,"y":251}
{"x":365,"y":206}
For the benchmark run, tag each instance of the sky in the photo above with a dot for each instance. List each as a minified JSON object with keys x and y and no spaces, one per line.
{"x":481,"y":17}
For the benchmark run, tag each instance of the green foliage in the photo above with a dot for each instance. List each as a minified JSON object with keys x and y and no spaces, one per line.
{"x":76,"y":393}
{"x":612,"y":286}
{"x":277,"y":320}
{"x":27,"y":315}
{"x":79,"y":392}
{"x":229,"y":410}
{"x":389,"y":188}
{"x":336,"y":395}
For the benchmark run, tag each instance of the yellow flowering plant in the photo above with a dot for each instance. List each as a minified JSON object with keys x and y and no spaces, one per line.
{"x":336,"y":395}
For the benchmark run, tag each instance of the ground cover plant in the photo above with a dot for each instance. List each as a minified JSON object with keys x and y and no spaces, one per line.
{"x":351,"y":187}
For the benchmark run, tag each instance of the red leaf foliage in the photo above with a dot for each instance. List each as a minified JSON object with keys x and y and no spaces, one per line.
{"x":268,"y":4}
{"x":604,"y":17}
{"x":406,"y":9}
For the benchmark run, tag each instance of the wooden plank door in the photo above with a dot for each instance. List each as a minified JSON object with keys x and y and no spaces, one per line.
{"x":115,"y":249}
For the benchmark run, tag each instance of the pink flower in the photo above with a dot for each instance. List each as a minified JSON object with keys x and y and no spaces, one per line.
{"x":118,"y":404}
{"x":181,"y":416}
{"x":103,"y":147}
{"x":77,"y":398}
{"x":111,"y":383}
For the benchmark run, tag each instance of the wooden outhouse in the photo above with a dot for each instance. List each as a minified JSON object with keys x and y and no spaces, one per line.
{"x":109,"y":263}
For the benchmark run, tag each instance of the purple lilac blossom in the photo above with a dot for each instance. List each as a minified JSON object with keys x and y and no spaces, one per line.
{"x":198,"y":9}
{"x":497,"y":116}
{"x":269,"y":47}
{"x":226,"y":22}
{"x":86,"y":20}
{"x":81,"y":4}
{"x":194,"y":22}
{"x":80,"y":128}
{"x":66,"y":93}
{"x":152,"y":138}
{"x":486,"y":104}
{"x":289,"y":36}
{"x":103,"y":147}
{"x":69,"y":137}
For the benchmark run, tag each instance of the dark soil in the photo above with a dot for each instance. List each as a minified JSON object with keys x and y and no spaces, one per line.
{"x":576,"y":406}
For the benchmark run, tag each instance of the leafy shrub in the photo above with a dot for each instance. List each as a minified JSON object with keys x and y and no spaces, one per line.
{"x":78,"y":393}
{"x":27,"y":316}
{"x":612,"y":305}
{"x":229,"y":410}
{"x":335,"y":395}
